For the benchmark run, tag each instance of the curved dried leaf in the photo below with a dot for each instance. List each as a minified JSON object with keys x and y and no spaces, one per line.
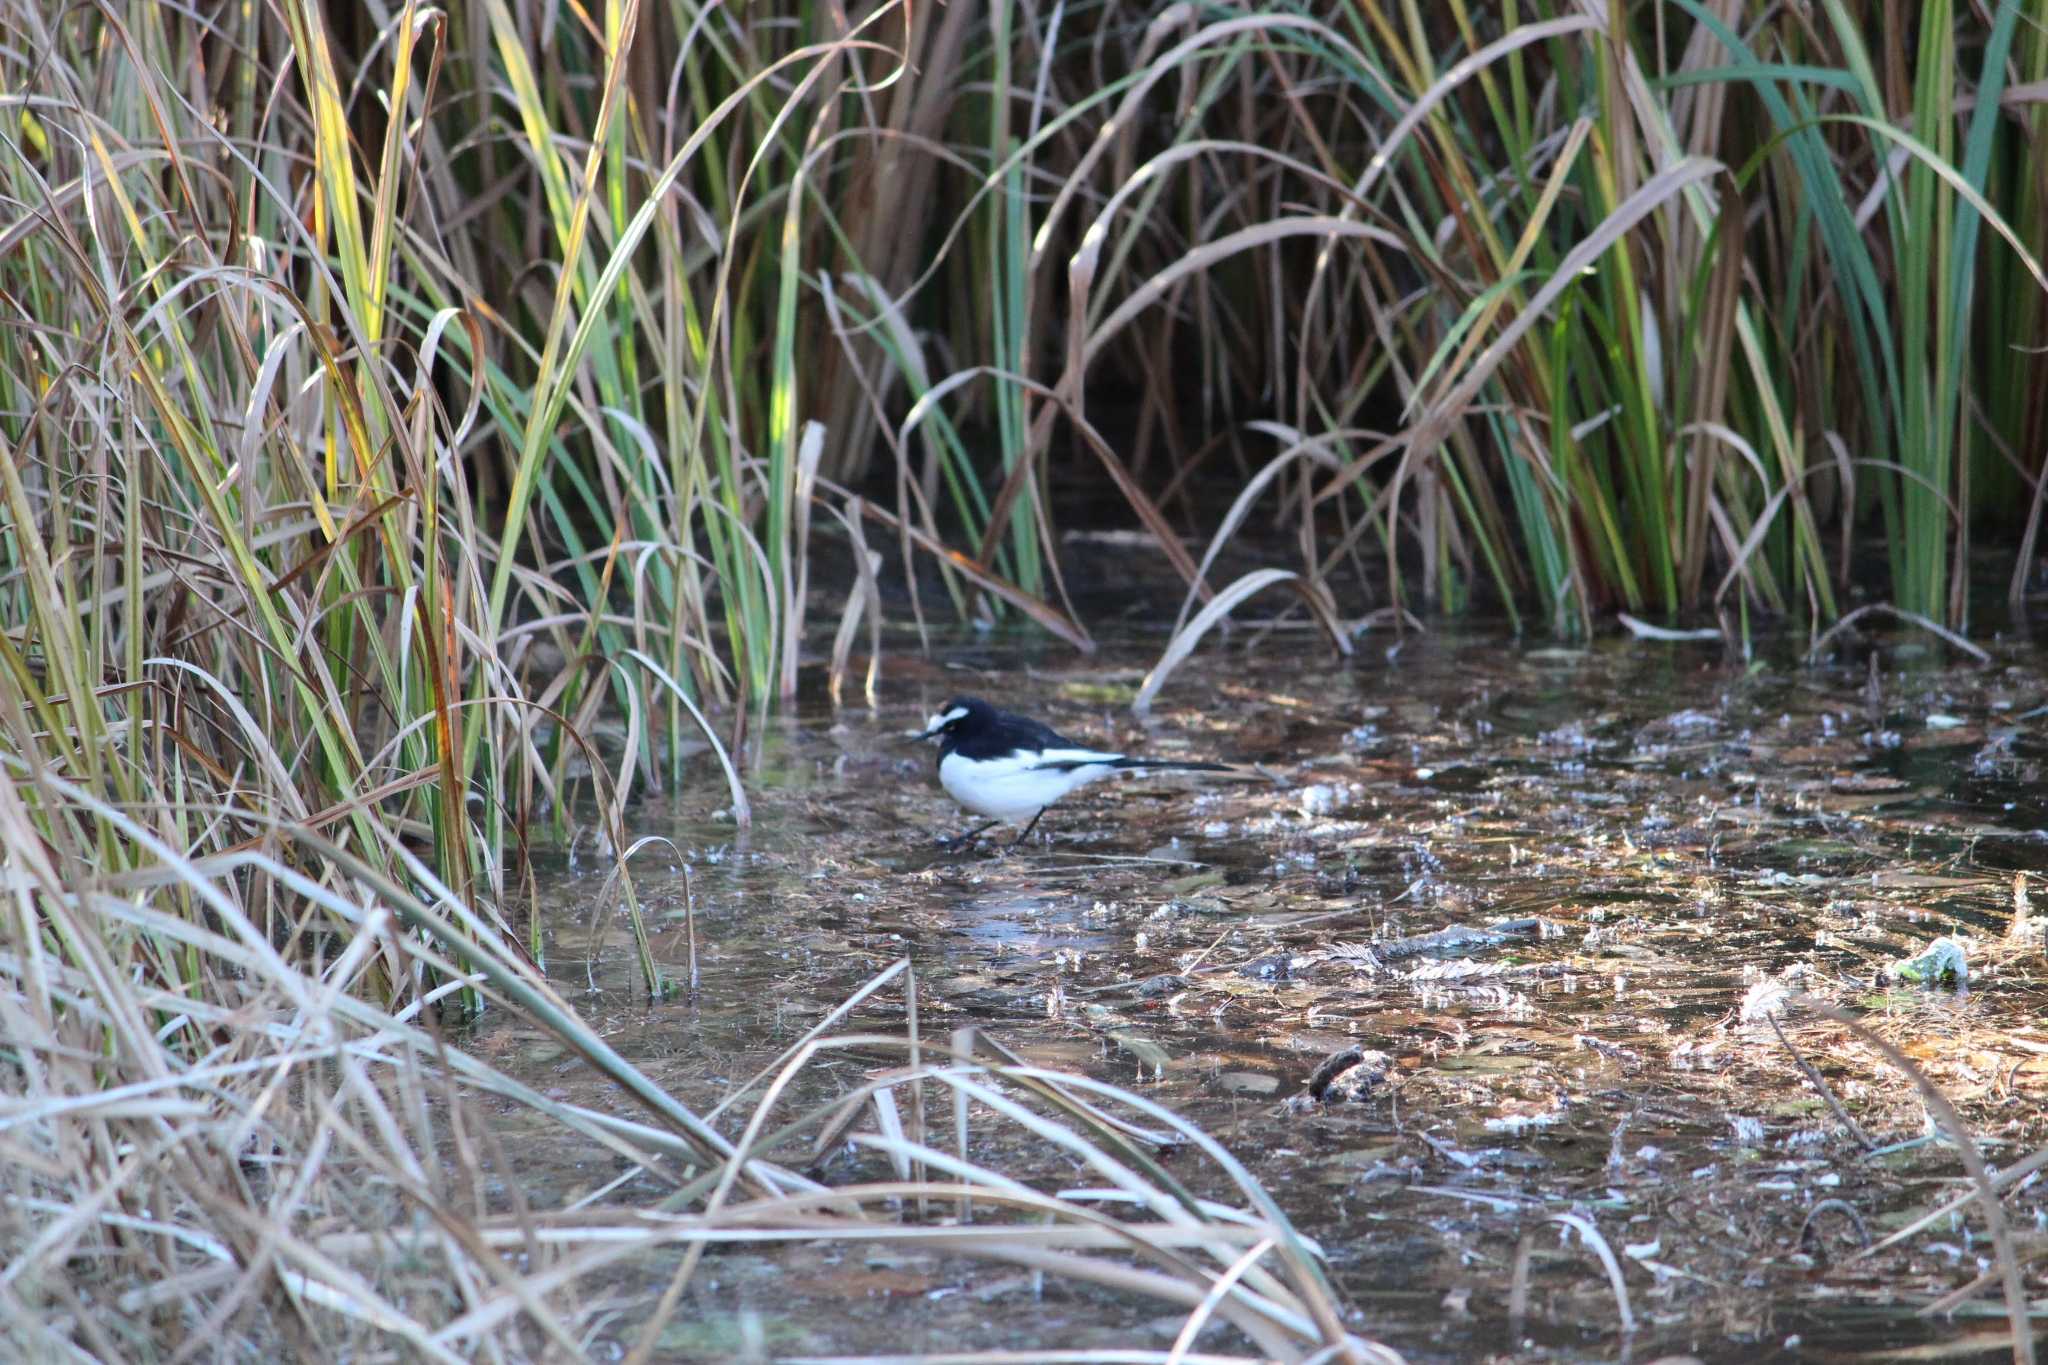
{"x":1183,"y":643}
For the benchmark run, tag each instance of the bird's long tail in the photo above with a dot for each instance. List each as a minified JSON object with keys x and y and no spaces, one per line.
{"x":1074,"y":761}
{"x":1170,"y":765}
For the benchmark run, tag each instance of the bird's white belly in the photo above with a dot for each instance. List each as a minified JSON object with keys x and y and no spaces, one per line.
{"x":1012,"y":789}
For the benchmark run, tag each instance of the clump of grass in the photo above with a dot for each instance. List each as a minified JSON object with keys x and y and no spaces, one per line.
{"x":209,"y":1138}
{"x":1655,"y":306}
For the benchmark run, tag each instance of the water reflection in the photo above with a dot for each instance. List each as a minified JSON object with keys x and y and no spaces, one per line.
{"x":1684,"y":827}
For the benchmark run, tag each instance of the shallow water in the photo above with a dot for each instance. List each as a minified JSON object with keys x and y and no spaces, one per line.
{"x":1683,"y":827}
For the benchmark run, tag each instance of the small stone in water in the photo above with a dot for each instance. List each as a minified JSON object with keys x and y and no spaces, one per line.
{"x":1274,"y":967}
{"x":1348,"y":1077}
{"x":1152,"y":987}
{"x":1322,"y":798}
{"x":1249,"y":1082}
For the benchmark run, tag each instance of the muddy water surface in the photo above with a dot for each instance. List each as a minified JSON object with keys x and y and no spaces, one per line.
{"x":1676,"y":841}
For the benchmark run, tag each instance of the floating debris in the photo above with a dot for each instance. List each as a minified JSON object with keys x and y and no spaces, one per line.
{"x":1644,"y":630}
{"x":1773,"y":995}
{"x":1453,"y":939}
{"x":1325,"y":798}
{"x":2023,"y":925}
{"x":1524,"y":1119}
{"x":1941,"y":962}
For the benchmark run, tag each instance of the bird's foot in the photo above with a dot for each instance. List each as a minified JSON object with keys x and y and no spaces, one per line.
{"x":963,"y":840}
{"x":1025,"y":833}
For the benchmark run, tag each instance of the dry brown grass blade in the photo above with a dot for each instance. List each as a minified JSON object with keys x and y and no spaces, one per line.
{"x":1521,"y":36}
{"x":1986,"y":1190}
{"x":1740,"y":555}
{"x":1128,"y":114}
{"x":909,"y":360}
{"x":898,"y":154}
{"x":1588,"y":1233}
{"x":1299,"y":447}
{"x":1021,"y":476}
{"x":1713,"y":348}
{"x":1661,"y":188}
{"x":1820,"y":1085}
{"x":2004,"y":1180}
{"x":1428,"y":432}
{"x":1044,"y":614}
{"x":863,"y":602}
{"x":1184,"y":641}
{"x":1532,"y":234}
{"x":1932,"y":627}
{"x":1209,"y":254}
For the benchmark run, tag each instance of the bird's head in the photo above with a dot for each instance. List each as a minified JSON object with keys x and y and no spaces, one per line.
{"x":956,"y":715}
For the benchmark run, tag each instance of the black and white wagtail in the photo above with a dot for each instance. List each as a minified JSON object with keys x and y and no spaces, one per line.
{"x":1010,"y":768}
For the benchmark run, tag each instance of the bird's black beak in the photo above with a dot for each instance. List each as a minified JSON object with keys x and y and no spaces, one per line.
{"x":936,"y":726}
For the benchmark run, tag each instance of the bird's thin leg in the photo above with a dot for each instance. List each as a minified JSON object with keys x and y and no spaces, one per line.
{"x":970,"y":836}
{"x":1028,"y":828}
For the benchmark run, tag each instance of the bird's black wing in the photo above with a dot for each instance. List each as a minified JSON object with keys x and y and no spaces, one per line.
{"x":1027,"y":733}
{"x":1008,"y":733}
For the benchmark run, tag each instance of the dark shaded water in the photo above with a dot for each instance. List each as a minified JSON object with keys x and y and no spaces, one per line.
{"x":1684,"y":829}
